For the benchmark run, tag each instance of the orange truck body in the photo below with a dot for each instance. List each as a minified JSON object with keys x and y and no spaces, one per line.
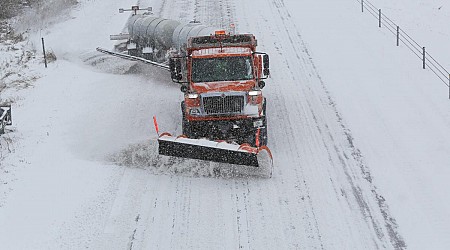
{"x":230,"y":105}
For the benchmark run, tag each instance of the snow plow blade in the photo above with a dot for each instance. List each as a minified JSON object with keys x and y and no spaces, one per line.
{"x":222,"y":152}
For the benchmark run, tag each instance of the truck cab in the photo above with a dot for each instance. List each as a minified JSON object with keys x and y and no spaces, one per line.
{"x":222,"y":87}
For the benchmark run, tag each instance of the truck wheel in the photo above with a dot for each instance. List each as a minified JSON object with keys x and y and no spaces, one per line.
{"x":263,"y":132}
{"x":263,"y":137}
{"x":185,"y":126}
{"x":251,"y":138}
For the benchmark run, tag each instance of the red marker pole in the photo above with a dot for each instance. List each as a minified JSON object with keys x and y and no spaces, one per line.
{"x":156,"y":125}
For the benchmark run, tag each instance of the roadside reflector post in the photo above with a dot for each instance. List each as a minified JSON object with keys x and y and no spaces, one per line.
{"x":156,"y":125}
{"x":43,"y":49}
{"x":379,"y":18}
{"x":398,"y":35}
{"x":423,"y":58}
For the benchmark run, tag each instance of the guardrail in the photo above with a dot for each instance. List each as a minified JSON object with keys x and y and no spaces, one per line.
{"x":408,"y":41}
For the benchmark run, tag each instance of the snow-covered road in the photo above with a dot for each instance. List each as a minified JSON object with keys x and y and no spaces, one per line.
{"x":90,"y":112}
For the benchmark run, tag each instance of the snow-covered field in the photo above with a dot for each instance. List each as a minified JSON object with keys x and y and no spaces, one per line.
{"x":358,"y":130}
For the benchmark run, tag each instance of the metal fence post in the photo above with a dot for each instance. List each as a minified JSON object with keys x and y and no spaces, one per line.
{"x":398,"y":35}
{"x":362,"y":5}
{"x":448,"y":86}
{"x":379,"y":18}
{"x":43,"y":49}
{"x":423,"y":58}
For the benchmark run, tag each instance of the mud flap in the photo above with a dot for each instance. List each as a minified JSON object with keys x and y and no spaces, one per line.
{"x":222,"y":152}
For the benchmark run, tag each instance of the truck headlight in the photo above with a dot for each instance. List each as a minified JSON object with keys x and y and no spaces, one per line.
{"x":254,"y":92}
{"x":192,"y":95}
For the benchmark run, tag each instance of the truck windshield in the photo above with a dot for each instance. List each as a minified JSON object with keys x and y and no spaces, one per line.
{"x":234,"y":68}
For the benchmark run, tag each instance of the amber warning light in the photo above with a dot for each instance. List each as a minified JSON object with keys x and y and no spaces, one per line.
{"x":220,"y":33}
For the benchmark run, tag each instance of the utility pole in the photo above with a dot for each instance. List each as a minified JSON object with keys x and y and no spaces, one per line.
{"x":379,"y":18}
{"x":423,"y":58}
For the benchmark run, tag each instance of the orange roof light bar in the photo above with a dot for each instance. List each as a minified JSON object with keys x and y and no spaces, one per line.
{"x":220,"y":33}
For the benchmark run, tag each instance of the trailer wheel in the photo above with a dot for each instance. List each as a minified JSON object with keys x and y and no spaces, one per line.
{"x":147,"y":56}
{"x":132,"y":52}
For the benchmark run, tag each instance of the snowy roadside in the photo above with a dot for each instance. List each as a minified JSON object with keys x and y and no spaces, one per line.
{"x":398,"y":113}
{"x":18,"y":63}
{"x":22,"y":64}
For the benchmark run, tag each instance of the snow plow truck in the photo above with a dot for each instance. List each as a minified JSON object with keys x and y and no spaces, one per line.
{"x":221,"y":75}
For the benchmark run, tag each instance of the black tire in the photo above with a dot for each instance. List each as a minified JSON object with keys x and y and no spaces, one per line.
{"x":2,"y":127}
{"x":251,"y":137}
{"x":186,"y":127}
{"x":263,"y":133}
{"x":263,"y":136}
{"x":147,"y":56}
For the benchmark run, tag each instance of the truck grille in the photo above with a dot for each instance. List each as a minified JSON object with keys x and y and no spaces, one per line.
{"x":223,"y":105}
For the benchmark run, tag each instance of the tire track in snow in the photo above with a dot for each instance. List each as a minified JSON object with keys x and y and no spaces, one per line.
{"x":343,"y":159}
{"x":389,"y":222}
{"x":303,"y":197}
{"x":311,"y":230}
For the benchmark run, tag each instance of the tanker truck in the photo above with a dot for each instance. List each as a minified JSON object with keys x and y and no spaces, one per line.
{"x":223,"y":114}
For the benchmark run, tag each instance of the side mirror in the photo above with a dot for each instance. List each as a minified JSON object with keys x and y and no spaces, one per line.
{"x":266,"y":61}
{"x":266,"y":70}
{"x":184,"y":88}
{"x":261,"y":84}
{"x":175,"y":69}
{"x":178,"y":69}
